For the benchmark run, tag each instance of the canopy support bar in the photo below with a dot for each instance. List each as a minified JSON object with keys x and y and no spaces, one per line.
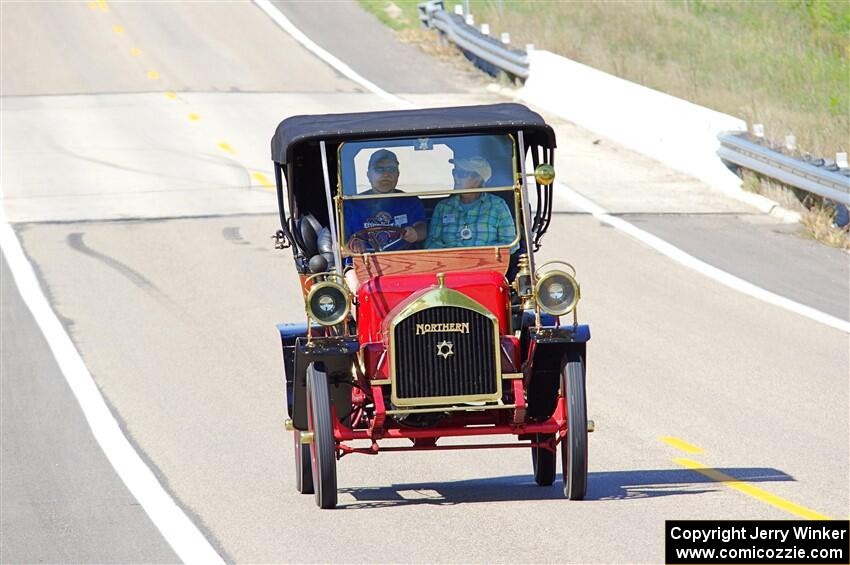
{"x":526,"y":205}
{"x":331,"y":215}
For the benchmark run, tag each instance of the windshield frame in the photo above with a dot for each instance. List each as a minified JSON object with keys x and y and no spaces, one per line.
{"x":339,"y":170}
{"x":516,"y":188}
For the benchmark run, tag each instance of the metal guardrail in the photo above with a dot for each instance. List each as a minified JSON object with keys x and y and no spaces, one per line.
{"x":831,"y":184}
{"x":488,"y":53}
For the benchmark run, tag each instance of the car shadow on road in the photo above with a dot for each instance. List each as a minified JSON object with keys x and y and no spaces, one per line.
{"x":603,"y":486}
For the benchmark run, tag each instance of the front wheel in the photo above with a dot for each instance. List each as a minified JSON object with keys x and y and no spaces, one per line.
{"x":323,"y":447}
{"x":574,"y":445}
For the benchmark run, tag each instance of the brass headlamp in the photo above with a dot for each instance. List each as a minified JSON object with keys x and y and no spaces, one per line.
{"x":556,"y":292}
{"x":328,"y":301}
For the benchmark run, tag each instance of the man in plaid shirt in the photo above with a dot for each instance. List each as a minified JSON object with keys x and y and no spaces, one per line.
{"x":471,"y":219}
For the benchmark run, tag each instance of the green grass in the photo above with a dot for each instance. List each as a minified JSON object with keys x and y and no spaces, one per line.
{"x":784,"y":64}
{"x":406,"y":18}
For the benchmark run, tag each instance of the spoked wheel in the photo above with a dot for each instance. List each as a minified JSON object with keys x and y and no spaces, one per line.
{"x":303,"y":470}
{"x":574,"y":445}
{"x":322,"y":448}
{"x":543,"y":461}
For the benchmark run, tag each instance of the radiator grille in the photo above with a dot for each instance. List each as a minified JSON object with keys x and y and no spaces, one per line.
{"x":466,"y":365}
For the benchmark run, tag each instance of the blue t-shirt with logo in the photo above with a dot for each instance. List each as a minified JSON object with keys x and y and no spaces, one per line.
{"x":373,"y":212}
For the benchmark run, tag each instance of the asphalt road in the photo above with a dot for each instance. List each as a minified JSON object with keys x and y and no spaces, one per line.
{"x":170,"y":289}
{"x":61,"y":499}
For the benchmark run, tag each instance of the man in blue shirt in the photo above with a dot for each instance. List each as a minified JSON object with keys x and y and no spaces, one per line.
{"x":404,"y":216}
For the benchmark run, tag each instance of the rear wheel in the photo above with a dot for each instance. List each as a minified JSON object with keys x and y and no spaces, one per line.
{"x":574,"y":445}
{"x":543,"y":461}
{"x":303,"y":470}
{"x":323,"y":447}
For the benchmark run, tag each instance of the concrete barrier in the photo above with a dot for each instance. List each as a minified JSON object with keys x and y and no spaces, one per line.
{"x":678,"y":133}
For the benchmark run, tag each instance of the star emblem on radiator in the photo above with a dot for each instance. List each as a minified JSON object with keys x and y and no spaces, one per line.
{"x":444,"y":349}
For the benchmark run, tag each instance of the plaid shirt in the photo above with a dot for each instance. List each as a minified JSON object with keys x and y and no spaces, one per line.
{"x":483,"y":222}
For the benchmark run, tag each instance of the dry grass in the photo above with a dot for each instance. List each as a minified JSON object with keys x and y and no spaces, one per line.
{"x":784,"y":64}
{"x":817,"y":219}
{"x":819,"y":226}
{"x":784,"y":195}
{"x":429,"y":41}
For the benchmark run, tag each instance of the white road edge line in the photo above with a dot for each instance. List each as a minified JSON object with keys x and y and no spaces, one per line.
{"x":182,"y":535}
{"x":345,"y":70}
{"x":582,"y":202}
{"x":697,"y":265}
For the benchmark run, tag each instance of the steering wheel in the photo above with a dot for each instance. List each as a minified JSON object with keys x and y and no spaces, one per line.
{"x":371,"y":236}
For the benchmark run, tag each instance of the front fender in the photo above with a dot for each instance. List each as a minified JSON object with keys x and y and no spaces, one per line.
{"x":289,"y":332}
{"x":547,"y":349}
{"x":333,"y":355}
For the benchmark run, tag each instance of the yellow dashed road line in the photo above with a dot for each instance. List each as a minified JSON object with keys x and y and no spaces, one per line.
{"x":226,"y":148}
{"x":681,"y":444}
{"x":102,"y":5}
{"x":154,"y":75}
{"x":750,"y":490}
{"x":263,"y":180}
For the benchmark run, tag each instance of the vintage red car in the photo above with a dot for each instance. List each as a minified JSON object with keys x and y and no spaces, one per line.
{"x":413,"y":233}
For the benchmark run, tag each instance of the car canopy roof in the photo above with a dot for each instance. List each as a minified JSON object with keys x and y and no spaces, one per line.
{"x":292,"y":132}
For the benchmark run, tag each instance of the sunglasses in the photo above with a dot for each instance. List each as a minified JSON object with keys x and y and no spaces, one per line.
{"x":463,"y":173}
{"x":386,"y":169}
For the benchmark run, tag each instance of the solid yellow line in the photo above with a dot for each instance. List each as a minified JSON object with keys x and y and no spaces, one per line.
{"x":102,"y":5}
{"x":750,"y":490}
{"x":118,"y":29}
{"x":153,"y":75}
{"x":681,"y":444}
{"x":171,"y":95}
{"x":135,"y":51}
{"x":194,"y":117}
{"x":226,"y":148}
{"x":263,"y":180}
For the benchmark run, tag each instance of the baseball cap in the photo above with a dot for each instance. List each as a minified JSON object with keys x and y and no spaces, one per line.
{"x":381,"y":155}
{"x":475,"y":164}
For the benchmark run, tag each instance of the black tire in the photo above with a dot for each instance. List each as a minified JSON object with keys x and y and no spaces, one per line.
{"x":544,"y":462}
{"x":574,"y":445}
{"x":303,"y":470}
{"x":323,"y":447}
